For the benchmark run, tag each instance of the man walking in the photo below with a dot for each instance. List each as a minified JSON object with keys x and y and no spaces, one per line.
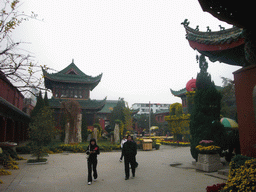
{"x":129,"y":152}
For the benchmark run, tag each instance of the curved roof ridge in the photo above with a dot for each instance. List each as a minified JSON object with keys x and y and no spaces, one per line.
{"x":178,"y":93}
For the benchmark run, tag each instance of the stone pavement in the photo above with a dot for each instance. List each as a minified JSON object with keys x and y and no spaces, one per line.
{"x":68,"y":172}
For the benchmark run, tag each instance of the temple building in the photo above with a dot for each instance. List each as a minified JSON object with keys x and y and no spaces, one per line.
{"x":235,"y":46}
{"x":13,"y":121}
{"x":72,"y":84}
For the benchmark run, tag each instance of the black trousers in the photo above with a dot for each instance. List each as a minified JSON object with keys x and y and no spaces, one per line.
{"x":92,"y":165}
{"x":129,"y":160}
{"x":121,"y":154}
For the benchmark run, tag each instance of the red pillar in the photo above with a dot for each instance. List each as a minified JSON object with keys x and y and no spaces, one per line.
{"x":245,"y":81}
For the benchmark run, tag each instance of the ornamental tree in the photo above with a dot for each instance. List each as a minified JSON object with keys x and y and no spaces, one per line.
{"x":42,"y":130}
{"x":178,"y":122}
{"x":205,"y":116}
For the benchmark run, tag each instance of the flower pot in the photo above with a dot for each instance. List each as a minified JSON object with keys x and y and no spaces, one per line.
{"x":208,"y":162}
{"x":157,"y":146}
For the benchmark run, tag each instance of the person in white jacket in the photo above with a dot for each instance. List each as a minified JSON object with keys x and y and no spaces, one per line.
{"x":122,"y":144}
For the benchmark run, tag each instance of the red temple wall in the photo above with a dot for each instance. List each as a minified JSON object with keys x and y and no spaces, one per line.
{"x":245,"y":81}
{"x":11,"y":94}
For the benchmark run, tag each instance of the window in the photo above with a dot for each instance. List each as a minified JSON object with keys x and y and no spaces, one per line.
{"x":80,"y":94}
{"x":71,"y":93}
{"x":75,"y":94}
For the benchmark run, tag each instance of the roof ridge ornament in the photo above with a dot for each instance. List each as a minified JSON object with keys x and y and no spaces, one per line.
{"x":185,"y":22}
{"x":73,"y":61}
{"x":221,"y":28}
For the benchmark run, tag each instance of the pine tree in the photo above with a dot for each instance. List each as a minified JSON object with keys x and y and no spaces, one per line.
{"x":46,"y":101}
{"x":39,"y":105}
{"x":117,"y":113}
{"x":205,"y":116}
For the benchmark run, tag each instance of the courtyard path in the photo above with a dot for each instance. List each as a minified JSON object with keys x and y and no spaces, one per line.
{"x":68,"y":172}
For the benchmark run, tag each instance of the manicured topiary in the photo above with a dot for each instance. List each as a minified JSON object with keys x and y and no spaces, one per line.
{"x":205,"y":116}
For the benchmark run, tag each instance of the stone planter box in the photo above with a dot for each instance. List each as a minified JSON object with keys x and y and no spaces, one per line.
{"x":208,"y":162}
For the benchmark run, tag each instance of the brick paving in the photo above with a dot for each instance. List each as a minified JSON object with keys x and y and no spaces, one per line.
{"x":68,"y":172}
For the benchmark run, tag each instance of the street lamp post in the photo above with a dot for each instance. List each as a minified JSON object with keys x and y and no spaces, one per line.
{"x":149,"y":120}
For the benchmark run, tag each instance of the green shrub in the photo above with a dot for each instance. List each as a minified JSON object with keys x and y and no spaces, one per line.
{"x":23,"y":150}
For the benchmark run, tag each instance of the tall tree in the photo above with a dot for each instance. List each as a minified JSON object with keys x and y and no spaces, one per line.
{"x":205,"y":115}
{"x":39,"y":105}
{"x":17,"y":65}
{"x":42,"y":130}
{"x":117,"y":113}
{"x":128,"y":121}
{"x":228,"y":101}
{"x":46,"y":101}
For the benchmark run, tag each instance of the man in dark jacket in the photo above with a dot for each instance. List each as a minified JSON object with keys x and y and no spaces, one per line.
{"x":129,"y":152}
{"x":92,"y":150}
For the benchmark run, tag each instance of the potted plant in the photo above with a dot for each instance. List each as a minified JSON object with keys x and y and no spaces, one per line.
{"x":208,"y":157}
{"x":157,"y":146}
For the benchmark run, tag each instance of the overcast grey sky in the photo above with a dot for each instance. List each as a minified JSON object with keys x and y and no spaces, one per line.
{"x":138,"y":45}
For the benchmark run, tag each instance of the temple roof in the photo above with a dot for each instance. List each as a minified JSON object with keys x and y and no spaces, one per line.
{"x":71,"y":74}
{"x":184,"y":90}
{"x":88,"y":105}
{"x":109,"y":106}
{"x":238,"y":13}
{"x":227,"y":36}
{"x":9,"y":110}
{"x":179,"y":93}
{"x":226,"y":45}
{"x":162,"y":111}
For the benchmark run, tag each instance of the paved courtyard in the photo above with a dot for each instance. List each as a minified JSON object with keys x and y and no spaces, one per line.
{"x":68,"y":172}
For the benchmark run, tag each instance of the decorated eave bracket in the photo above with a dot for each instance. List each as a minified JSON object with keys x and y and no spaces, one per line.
{"x":186,"y":23}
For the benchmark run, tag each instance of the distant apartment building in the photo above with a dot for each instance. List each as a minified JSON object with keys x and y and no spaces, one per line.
{"x":144,"y":107}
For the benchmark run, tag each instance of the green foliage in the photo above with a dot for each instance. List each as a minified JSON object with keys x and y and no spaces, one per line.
{"x":178,"y":122}
{"x":76,"y":148}
{"x":228,"y":101}
{"x":205,"y":116}
{"x":117,"y":113}
{"x":39,"y":105}
{"x":23,"y":150}
{"x":46,"y":101}
{"x":238,"y":161}
{"x":128,"y":122}
{"x":121,"y":127}
{"x":42,"y":130}
{"x":176,"y":109}
{"x":84,"y":128}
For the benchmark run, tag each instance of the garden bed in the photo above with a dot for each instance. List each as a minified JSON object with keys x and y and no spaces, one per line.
{"x":75,"y":147}
{"x":37,"y":161}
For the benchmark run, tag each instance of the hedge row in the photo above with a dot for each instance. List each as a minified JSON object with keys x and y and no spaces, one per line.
{"x":76,"y":148}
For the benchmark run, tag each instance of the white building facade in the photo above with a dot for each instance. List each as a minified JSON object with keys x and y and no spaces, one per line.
{"x":144,"y":108}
